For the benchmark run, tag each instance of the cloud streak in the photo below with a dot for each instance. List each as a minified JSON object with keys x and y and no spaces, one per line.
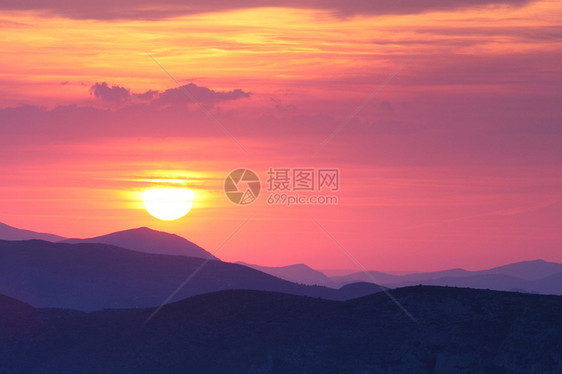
{"x":151,"y":9}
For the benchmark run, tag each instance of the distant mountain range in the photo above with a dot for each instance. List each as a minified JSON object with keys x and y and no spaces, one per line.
{"x":147,"y":240}
{"x":232,"y":332}
{"x":82,"y":305}
{"x":93,"y":276}
{"x":536,"y":276}
{"x":12,"y":233}
{"x":527,"y":270}
{"x":141,"y":239}
{"x":299,"y":273}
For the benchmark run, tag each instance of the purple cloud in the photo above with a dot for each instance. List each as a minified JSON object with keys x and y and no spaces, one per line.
{"x":113,"y":94}
{"x":186,"y":94}
{"x":192,"y":92}
{"x":152,"y":9}
{"x":148,"y":95}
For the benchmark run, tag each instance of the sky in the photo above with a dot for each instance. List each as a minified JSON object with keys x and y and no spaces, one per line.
{"x":443,"y":119}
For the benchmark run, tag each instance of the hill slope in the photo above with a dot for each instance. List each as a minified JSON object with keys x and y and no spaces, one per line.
{"x":537,"y":276}
{"x":458,"y":331}
{"x":143,"y":239}
{"x":529,"y":270}
{"x":298,"y":273}
{"x":97,"y":276}
{"x":12,"y":233}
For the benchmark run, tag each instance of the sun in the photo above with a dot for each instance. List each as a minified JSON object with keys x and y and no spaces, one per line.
{"x":168,"y":204}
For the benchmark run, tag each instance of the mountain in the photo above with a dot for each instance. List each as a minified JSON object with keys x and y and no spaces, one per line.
{"x":11,"y":308}
{"x":385,"y":278}
{"x":536,"y":276}
{"x":338,"y":272}
{"x":147,"y":240}
{"x":12,"y":233}
{"x":498,"y":282}
{"x":93,"y":276}
{"x":551,"y":285}
{"x":298,"y":273}
{"x":529,"y":270}
{"x":457,"y":331}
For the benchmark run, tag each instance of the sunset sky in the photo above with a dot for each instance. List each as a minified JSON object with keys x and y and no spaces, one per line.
{"x":448,"y":121}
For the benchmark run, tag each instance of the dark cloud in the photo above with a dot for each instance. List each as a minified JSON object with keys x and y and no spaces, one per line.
{"x":69,"y":123}
{"x":387,"y":106}
{"x":145,"y":114}
{"x":113,"y":94}
{"x":530,"y":33}
{"x":432,"y":129}
{"x":187,"y":94}
{"x":148,"y":95}
{"x":151,"y":9}
{"x":192,"y":92}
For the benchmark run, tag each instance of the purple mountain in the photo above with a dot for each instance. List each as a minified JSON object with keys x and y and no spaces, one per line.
{"x":537,"y":276}
{"x":12,"y":233}
{"x":298,"y":273}
{"x":95,"y":276}
{"x":147,"y":240}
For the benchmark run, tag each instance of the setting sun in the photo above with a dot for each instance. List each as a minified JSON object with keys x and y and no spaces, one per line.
{"x":168,"y":204}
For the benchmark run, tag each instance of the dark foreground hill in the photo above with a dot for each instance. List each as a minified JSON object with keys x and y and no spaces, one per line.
{"x":99,"y":276}
{"x":457,"y":331}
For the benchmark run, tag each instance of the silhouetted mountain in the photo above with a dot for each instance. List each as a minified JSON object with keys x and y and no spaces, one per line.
{"x":530,"y":270}
{"x":298,"y":273}
{"x":551,"y":285}
{"x":12,"y":233}
{"x":92,"y":276}
{"x":10,"y":307}
{"x":338,"y":272}
{"x":527,"y":276}
{"x":358,"y":289}
{"x":385,"y":278}
{"x":457,"y":331}
{"x":498,"y":282}
{"x":147,"y":240}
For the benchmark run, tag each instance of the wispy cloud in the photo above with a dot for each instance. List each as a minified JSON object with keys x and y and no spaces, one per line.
{"x":152,"y":9}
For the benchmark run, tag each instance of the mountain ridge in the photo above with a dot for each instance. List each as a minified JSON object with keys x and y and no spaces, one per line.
{"x":532,"y":276}
{"x":459,"y":330}
{"x":94,"y":276}
{"x":298,"y":273}
{"x":144,"y":239}
{"x":8,"y":232}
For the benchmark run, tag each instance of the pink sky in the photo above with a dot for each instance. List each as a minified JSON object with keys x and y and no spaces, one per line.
{"x":455,"y":162}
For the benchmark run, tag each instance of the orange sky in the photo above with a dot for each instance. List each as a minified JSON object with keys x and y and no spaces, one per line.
{"x":455,"y":162}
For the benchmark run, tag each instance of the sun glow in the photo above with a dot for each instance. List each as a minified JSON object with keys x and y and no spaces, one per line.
{"x":168,"y":204}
